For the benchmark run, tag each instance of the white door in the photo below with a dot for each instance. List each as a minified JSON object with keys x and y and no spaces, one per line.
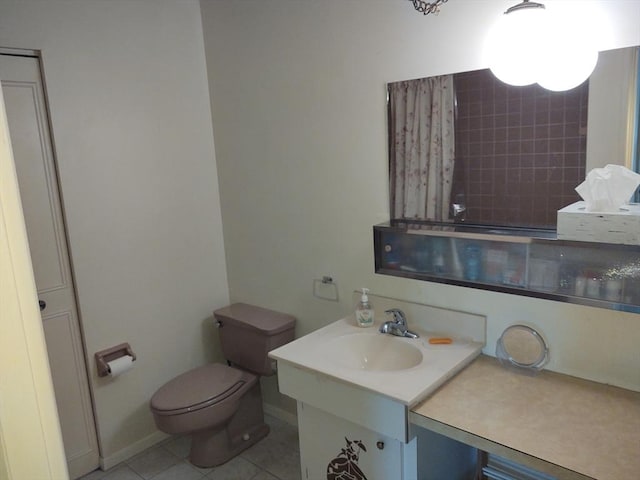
{"x":37,"y":179}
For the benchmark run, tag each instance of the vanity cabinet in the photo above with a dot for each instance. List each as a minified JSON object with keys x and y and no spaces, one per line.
{"x":335,"y":448}
{"x":523,"y":262}
{"x":354,"y":388}
{"x":346,"y":429}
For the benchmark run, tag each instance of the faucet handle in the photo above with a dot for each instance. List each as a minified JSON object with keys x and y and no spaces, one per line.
{"x":398,"y":316}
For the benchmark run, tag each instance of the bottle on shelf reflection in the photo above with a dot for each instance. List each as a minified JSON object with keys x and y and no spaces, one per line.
{"x":594,"y":284}
{"x":580,"y":285}
{"x":613,"y":289}
{"x":472,"y":263}
{"x":438,"y":255}
{"x":567,"y":275}
{"x":422,"y":255}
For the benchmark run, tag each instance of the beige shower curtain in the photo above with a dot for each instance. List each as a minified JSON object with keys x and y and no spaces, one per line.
{"x":421,"y":123}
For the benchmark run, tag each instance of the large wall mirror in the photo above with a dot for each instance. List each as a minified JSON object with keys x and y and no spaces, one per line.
{"x":465,"y":147}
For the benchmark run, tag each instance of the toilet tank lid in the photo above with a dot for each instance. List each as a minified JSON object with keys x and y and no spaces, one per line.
{"x":266,"y":321}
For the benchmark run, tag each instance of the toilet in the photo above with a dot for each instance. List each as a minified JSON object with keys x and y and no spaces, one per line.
{"x":219,"y":405}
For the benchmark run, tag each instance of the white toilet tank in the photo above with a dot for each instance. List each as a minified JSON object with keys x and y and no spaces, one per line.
{"x":248,"y":333}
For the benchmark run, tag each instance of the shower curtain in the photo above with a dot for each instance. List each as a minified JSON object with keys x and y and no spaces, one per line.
{"x":421,"y":123}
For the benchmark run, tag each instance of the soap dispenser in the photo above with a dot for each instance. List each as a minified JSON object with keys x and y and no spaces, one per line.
{"x":364,"y":310}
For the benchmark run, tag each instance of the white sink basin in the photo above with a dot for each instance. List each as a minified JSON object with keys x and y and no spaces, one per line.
{"x":373,"y":351}
{"x":403,"y":369}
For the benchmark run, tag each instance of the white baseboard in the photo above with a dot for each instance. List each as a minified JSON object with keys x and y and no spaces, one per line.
{"x":280,"y":414}
{"x":131,"y":450}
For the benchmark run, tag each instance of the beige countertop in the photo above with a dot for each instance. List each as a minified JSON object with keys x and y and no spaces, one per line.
{"x":565,"y":426}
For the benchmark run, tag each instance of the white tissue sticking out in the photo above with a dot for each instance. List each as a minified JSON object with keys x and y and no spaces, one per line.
{"x":609,"y":188}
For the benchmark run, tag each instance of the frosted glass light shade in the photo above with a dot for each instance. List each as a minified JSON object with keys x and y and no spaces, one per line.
{"x":566,"y":69}
{"x":547,"y":46}
{"x":512,"y":48}
{"x":571,"y":53}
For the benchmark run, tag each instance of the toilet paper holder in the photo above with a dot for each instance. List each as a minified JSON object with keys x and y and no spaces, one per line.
{"x":109,"y":355}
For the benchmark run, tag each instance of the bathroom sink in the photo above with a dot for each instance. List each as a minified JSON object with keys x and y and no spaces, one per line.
{"x":373,"y":352}
{"x":403,"y":370}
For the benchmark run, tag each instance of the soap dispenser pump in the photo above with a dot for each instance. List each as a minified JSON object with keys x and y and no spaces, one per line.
{"x":364,"y":310}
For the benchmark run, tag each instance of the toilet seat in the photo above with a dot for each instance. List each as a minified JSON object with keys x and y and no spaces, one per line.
{"x":199,"y":388}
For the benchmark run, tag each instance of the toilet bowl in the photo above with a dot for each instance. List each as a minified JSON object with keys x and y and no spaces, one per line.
{"x":220,"y":406}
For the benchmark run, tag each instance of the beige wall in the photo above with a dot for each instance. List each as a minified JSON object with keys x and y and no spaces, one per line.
{"x":298,"y":99}
{"x":131,"y":121}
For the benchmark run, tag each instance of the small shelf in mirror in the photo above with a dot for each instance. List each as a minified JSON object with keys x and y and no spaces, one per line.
{"x":526,"y":262}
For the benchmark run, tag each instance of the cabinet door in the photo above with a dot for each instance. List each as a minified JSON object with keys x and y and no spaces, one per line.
{"x":336,"y":449}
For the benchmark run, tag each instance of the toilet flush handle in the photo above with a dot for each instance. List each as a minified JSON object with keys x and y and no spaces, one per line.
{"x":219,"y":324}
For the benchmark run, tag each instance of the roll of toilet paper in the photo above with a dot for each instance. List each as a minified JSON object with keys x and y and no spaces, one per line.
{"x":120,"y":365}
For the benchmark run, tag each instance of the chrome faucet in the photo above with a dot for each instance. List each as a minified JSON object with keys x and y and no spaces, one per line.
{"x":397,"y":326}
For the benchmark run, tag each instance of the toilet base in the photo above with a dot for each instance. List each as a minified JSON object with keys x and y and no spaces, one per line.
{"x":213,"y":447}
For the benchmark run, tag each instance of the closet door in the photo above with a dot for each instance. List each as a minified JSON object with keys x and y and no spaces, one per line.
{"x":37,"y":179}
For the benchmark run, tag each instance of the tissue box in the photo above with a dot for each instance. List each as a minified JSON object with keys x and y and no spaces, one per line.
{"x":574,"y":223}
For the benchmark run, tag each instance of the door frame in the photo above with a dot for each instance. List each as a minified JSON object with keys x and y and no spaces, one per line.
{"x":37,"y":54}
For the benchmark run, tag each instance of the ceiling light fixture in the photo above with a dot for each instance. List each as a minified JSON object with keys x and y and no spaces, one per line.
{"x":428,"y":7}
{"x":531,"y":43}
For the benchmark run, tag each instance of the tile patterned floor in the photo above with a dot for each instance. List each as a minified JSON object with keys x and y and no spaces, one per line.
{"x":276,"y":457}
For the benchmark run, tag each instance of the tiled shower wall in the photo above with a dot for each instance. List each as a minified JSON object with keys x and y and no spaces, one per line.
{"x":520,"y":151}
